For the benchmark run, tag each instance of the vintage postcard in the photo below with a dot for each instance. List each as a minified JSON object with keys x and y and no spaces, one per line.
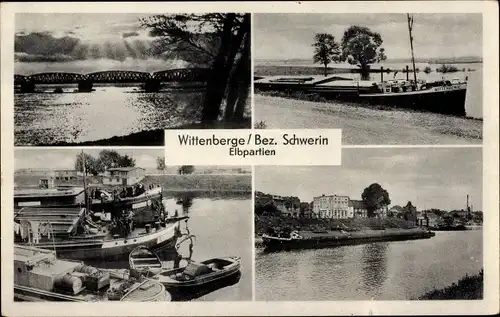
{"x":250,"y":158}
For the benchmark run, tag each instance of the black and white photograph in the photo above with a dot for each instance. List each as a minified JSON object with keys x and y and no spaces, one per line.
{"x":121,"y":79}
{"x":389,"y":224}
{"x":120,"y":225}
{"x":381,"y":78}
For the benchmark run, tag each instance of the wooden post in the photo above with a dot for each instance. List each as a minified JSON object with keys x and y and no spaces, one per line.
{"x":407,"y":73}
{"x":381,"y":74}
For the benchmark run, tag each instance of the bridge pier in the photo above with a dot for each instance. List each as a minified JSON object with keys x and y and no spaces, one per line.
{"x":85,"y":86}
{"x":27,"y":87}
{"x":152,"y":85}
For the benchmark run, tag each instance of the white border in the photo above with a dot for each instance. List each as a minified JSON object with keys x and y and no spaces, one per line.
{"x":489,"y":305}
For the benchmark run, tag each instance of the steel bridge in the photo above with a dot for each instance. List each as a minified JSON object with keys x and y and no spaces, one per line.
{"x":151,"y":81}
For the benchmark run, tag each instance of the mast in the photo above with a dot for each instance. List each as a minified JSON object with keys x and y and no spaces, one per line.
{"x":87,"y":207}
{"x":410,"y":28}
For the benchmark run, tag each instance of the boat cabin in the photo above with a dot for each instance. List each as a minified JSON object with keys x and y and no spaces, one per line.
{"x":48,"y":196}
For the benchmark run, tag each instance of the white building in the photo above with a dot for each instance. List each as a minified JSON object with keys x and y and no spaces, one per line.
{"x":124,"y":176}
{"x":332,"y":206}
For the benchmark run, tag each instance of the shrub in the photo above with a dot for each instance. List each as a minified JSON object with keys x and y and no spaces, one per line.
{"x":447,"y":69}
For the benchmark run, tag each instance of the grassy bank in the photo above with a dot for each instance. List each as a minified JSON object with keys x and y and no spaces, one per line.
{"x":154,"y":137}
{"x":204,"y":185}
{"x":469,"y":287}
{"x":264,"y":222}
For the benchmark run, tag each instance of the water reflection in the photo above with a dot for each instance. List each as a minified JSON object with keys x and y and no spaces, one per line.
{"x":397,"y":270}
{"x":48,"y":118}
{"x":203,"y":239}
{"x":374,"y":266}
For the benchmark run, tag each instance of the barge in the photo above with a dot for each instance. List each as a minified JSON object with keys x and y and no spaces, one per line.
{"x":80,"y":234}
{"x":145,"y":203}
{"x":330,"y":239}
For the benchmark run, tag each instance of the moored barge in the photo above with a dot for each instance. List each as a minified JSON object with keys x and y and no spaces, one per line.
{"x":330,"y":239}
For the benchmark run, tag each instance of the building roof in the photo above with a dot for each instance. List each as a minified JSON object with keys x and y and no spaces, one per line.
{"x":124,"y":169}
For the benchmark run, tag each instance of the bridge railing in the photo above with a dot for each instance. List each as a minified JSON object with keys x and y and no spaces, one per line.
{"x":116,"y":76}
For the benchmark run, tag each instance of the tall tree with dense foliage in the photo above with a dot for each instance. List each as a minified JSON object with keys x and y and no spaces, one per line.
{"x":362,"y":47}
{"x":326,"y":50}
{"x":214,"y":40}
{"x":375,"y":197}
{"x":160,"y":163}
{"x":91,"y":165}
{"x":111,"y":158}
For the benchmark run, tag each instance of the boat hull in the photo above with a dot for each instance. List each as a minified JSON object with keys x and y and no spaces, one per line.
{"x":449,"y":100}
{"x":116,"y":249}
{"x":280,"y":244}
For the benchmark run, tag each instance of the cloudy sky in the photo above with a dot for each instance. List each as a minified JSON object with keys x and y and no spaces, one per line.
{"x":289,"y":36}
{"x":83,"y":42}
{"x":427,"y":177}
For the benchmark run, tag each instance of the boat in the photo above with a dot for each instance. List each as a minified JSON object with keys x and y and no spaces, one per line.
{"x":194,"y":277}
{"x":318,"y":240}
{"x":145,"y":203}
{"x":79,"y":233}
{"x":40,"y":276}
{"x":440,"y":96}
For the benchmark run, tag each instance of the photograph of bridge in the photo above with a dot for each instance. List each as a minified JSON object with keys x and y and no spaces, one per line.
{"x":121,"y":79}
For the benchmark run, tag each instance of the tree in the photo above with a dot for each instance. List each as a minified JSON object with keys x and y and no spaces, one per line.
{"x":326,"y":50}
{"x":160,"y":163}
{"x":410,"y":212}
{"x":91,"y":164}
{"x":126,"y":161}
{"x":375,"y":197}
{"x":215,"y":39}
{"x":186,"y":169}
{"x":111,"y":158}
{"x":362,"y":47}
{"x":108,"y":159}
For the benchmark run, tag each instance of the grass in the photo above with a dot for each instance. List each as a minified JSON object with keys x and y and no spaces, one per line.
{"x":204,"y":184}
{"x":467,"y":288}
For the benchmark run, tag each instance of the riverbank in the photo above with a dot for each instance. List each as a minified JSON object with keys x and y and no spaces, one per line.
{"x":155,"y":137}
{"x":264,"y":222}
{"x":203,"y":185}
{"x":362,"y":125}
{"x":467,"y":288}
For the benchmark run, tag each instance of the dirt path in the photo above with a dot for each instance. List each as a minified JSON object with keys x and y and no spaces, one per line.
{"x":367,"y":126}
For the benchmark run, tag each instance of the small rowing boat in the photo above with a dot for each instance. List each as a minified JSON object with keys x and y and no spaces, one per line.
{"x":193,"y":275}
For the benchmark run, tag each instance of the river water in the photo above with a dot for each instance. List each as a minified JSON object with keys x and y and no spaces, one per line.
{"x":47,"y":118}
{"x":401,"y":270}
{"x":222,"y":228}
